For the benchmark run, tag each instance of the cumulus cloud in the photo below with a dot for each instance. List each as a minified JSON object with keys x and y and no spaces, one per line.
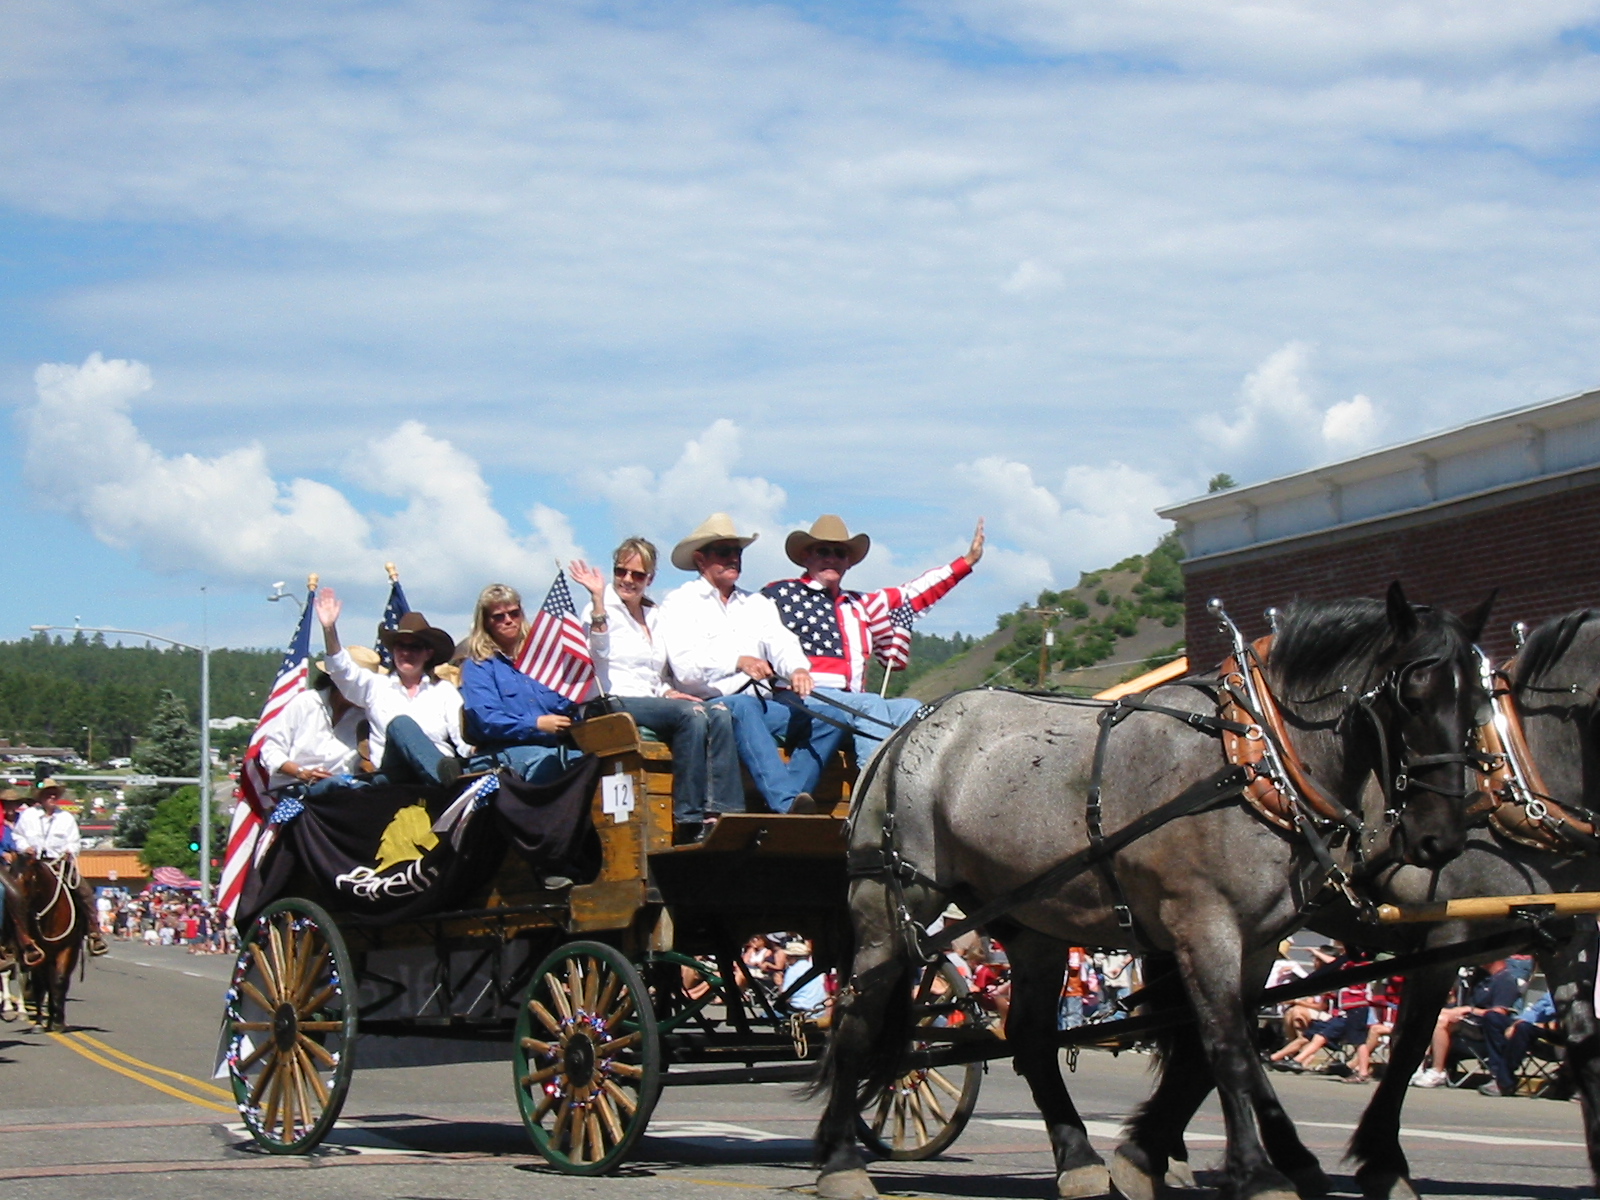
{"x":1275,"y":413}
{"x":1095,"y":516}
{"x":229,"y":518}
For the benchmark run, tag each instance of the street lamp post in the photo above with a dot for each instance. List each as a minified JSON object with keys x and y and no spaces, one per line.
{"x":205,"y":733}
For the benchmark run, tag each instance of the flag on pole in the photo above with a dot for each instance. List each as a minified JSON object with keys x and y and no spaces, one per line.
{"x":392,"y":612}
{"x":896,"y":648}
{"x":556,"y":651}
{"x":246,"y":843}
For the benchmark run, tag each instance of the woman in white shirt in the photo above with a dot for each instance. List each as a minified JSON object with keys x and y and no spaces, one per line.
{"x":316,"y":740}
{"x":631,"y":665}
{"x":415,"y":716}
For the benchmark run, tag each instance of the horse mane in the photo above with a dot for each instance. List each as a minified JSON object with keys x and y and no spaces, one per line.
{"x":1322,"y":642}
{"x":1546,"y":645}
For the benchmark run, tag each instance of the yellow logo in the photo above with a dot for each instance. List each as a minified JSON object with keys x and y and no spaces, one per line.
{"x":409,"y":836}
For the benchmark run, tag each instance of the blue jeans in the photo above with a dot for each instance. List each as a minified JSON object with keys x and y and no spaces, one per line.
{"x":867,"y":733}
{"x":1070,"y":1013}
{"x":532,"y":764}
{"x":409,"y":755}
{"x":757,"y":724}
{"x":705,"y":758}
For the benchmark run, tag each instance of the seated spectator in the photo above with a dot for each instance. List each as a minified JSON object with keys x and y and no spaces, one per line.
{"x":317,"y":739}
{"x":1384,"y":1007}
{"x":810,"y":997}
{"x":515,"y":721}
{"x":630,"y":662}
{"x":415,"y":718}
{"x":721,"y":639}
{"x":1490,"y":1005}
{"x":1508,"y":1049}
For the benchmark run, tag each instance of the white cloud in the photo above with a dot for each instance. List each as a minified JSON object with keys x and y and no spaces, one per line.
{"x":228,"y":518}
{"x":1096,"y":516}
{"x":1275,"y":416}
{"x":1031,"y":276}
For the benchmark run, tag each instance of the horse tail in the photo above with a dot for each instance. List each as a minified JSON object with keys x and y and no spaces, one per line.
{"x":877,"y":1055}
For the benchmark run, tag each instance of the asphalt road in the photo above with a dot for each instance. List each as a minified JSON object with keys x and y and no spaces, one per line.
{"x":122,"y":1108}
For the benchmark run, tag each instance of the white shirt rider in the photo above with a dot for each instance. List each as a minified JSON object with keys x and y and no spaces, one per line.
{"x":48,"y":835}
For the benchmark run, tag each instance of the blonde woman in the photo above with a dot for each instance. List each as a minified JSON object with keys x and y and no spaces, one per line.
{"x":512,"y":718}
{"x":631,"y":664}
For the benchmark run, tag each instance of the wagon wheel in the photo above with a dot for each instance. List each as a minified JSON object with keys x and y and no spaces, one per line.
{"x":925,"y":1110}
{"x":587,"y":1061}
{"x":290,"y":1025}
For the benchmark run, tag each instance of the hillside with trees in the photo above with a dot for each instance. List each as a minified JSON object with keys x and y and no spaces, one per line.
{"x":60,"y":691}
{"x":1116,"y":623}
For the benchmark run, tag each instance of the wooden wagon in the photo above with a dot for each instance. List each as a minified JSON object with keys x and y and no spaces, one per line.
{"x":598,"y":995}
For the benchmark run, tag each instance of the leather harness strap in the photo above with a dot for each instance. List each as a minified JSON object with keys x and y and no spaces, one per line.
{"x":1522,"y":810}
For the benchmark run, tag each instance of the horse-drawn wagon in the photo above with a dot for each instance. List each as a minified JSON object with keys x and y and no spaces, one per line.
{"x":598,"y":994}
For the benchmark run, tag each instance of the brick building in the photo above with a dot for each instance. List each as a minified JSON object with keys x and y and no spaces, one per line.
{"x":1510,"y":502}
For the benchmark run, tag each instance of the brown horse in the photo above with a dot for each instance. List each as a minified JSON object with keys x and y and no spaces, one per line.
{"x":58,"y":925}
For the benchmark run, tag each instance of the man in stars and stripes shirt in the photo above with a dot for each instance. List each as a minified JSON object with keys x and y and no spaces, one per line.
{"x":841,"y":630}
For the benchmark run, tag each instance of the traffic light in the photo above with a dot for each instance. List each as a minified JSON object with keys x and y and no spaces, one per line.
{"x":194,"y":839}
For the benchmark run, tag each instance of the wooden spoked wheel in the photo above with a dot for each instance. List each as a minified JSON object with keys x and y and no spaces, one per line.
{"x":587,"y":1061}
{"x":925,"y":1110}
{"x":290,"y":1027}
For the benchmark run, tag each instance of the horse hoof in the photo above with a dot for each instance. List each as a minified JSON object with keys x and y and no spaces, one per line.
{"x":1388,"y":1187}
{"x":854,"y":1184}
{"x":1180,"y":1174}
{"x":1131,"y":1180}
{"x":1081,"y":1183}
{"x":1310,"y":1181}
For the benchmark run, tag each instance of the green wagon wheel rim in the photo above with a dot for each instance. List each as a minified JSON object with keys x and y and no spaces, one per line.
{"x":290,"y":1026}
{"x":586,"y":1061}
{"x":923,"y":1111}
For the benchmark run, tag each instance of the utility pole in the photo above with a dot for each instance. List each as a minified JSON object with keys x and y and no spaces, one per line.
{"x":1049,"y":638}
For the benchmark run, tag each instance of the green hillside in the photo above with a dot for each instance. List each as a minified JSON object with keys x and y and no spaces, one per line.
{"x":1116,"y":623}
{"x":56,"y":692}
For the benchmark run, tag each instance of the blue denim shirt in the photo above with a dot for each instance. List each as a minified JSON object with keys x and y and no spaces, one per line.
{"x":503,"y":705}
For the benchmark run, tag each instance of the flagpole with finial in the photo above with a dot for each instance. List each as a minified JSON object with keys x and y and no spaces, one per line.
{"x":394,"y":572}
{"x":883,"y":692}
{"x":311,"y":582}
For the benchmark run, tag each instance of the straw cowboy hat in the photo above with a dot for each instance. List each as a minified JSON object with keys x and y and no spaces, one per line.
{"x":49,"y":783}
{"x":828,"y":528}
{"x":415,"y":625}
{"x":363,"y":656}
{"x":718,"y":527}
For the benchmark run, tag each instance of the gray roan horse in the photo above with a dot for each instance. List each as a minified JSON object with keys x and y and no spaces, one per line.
{"x":1553,"y":683}
{"x":988,"y":792}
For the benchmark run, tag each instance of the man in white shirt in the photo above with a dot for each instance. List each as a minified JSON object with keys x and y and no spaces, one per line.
{"x":719,"y":639}
{"x":47,"y":831}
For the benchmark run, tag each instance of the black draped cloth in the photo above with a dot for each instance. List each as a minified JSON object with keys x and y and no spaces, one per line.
{"x":375,"y":852}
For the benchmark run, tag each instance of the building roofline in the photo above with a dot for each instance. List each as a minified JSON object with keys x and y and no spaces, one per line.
{"x":1543,"y":417}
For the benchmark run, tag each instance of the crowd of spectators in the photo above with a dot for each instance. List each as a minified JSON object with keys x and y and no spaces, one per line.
{"x":166,"y":917}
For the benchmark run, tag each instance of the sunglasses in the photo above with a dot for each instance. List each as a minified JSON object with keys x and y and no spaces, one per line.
{"x":831,"y":550}
{"x":510,"y":614}
{"x":419,"y":647}
{"x":635,"y":576}
{"x":724,"y":551}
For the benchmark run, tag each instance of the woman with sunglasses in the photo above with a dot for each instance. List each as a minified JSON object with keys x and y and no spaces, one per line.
{"x":514,"y":720}
{"x":631,"y":664}
{"x":414,"y":716}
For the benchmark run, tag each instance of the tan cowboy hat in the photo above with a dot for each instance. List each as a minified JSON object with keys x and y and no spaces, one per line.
{"x":414,"y":624}
{"x":828,"y":528}
{"x":10,"y":796}
{"x":48,"y":782}
{"x":718,"y":527}
{"x":362,"y":656}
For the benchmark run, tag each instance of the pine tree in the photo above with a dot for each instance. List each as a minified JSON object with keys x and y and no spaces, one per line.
{"x":172,"y":747}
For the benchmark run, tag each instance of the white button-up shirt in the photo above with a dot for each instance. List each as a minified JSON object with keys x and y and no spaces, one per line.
{"x":629,"y":658}
{"x":705,"y":638}
{"x":436,"y":707}
{"x":47,"y":836}
{"x":305,"y":734}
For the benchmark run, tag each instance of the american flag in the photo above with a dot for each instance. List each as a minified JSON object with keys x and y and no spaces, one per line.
{"x":246,"y":843}
{"x":556,"y":651}
{"x":895,"y":651}
{"x":392,"y":612}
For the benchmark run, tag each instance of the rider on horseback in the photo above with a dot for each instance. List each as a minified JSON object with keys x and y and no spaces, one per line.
{"x":49,"y":832}
{"x":10,"y":896}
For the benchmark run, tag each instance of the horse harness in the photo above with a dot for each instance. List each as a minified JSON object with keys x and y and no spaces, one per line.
{"x":1262,"y":768}
{"x":64,"y":872}
{"x":1521,"y":808}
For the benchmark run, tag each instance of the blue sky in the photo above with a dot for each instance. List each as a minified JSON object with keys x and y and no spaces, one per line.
{"x":292,"y":287}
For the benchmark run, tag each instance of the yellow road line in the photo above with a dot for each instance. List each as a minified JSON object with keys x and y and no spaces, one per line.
{"x":200,"y":1085}
{"x":63,"y":1040}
